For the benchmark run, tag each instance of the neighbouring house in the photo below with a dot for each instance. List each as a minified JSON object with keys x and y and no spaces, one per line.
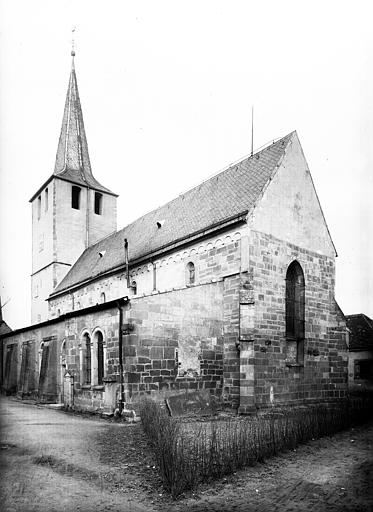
{"x":226,"y":292}
{"x":360,"y":347}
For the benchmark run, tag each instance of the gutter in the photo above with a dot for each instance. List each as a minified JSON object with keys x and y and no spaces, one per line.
{"x":70,"y":314}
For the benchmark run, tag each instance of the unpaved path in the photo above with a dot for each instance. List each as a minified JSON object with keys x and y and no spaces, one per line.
{"x":52,"y":461}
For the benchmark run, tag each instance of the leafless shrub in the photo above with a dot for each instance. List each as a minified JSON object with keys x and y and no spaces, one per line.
{"x":190,"y":453}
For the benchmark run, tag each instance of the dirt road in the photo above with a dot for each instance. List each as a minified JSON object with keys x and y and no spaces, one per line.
{"x":53,"y":461}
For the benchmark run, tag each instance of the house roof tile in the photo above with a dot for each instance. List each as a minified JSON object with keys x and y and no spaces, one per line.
{"x":361,"y":332}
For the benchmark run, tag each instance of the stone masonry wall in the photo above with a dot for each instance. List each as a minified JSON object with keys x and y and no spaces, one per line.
{"x":214,"y":258}
{"x":323,"y":373}
{"x":92,"y":396}
{"x":177,"y":343}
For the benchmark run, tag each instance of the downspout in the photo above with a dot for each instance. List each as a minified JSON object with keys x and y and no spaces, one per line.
{"x":120,"y":348}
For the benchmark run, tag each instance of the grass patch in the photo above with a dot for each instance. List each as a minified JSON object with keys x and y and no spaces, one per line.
{"x":191,"y":453}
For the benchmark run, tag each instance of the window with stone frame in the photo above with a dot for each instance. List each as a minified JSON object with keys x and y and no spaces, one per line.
{"x":100,"y":357}
{"x":190,"y":273}
{"x":295,"y":311}
{"x":134,"y":288}
{"x":86,"y":359}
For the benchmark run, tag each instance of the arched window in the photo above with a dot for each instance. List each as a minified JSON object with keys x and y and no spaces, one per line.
{"x":63,"y":354}
{"x":191,"y":273}
{"x":100,"y":357}
{"x":295,"y":292}
{"x":86,"y":358}
{"x":102,"y":298}
{"x":134,"y":287}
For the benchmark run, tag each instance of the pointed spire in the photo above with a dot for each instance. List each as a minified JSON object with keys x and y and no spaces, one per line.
{"x":72,"y":151}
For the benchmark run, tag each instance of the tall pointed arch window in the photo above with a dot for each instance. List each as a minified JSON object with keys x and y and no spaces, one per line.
{"x":295,"y":307}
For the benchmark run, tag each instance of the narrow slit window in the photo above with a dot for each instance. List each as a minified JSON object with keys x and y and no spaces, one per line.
{"x":87,"y":359}
{"x":39,"y":207}
{"x":100,"y":358}
{"x":98,"y":203}
{"x":75,"y":197}
{"x":191,"y":273}
{"x":134,"y":287}
{"x":46,"y":199}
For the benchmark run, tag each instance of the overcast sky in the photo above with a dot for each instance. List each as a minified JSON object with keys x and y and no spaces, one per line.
{"x":166,"y":90}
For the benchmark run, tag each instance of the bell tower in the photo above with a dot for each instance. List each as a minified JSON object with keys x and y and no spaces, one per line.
{"x":70,"y":211}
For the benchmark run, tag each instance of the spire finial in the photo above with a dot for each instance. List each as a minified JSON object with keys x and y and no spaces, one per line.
{"x":73,"y":43}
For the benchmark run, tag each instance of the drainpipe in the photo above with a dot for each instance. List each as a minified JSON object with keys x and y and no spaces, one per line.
{"x":120,"y":343}
{"x":127,"y":265}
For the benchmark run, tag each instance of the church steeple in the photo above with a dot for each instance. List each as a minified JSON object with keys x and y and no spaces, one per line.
{"x":70,"y":211}
{"x":72,"y":158}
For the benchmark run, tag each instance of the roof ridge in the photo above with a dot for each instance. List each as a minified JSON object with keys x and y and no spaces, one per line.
{"x":248,"y":157}
{"x":238,"y":161}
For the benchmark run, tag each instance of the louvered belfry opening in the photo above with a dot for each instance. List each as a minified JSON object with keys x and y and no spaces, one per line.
{"x":295,"y":307}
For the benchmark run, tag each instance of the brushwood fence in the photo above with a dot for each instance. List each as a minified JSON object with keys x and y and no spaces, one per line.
{"x":189,"y":453}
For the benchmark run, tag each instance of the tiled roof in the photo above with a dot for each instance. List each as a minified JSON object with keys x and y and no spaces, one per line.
{"x":229,"y":193}
{"x":361,"y":332}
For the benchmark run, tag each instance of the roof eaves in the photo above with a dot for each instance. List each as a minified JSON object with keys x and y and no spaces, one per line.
{"x":242,"y":217}
{"x":71,"y":314}
{"x":87,"y":185}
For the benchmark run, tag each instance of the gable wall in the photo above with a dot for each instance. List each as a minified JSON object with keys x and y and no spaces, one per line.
{"x":289,"y":209}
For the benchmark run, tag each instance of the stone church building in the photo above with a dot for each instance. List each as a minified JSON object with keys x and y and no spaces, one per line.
{"x":226,"y":292}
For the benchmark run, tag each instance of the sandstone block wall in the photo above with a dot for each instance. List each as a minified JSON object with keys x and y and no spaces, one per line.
{"x":177,"y":342}
{"x":322,"y":373}
{"x":214,"y":258}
